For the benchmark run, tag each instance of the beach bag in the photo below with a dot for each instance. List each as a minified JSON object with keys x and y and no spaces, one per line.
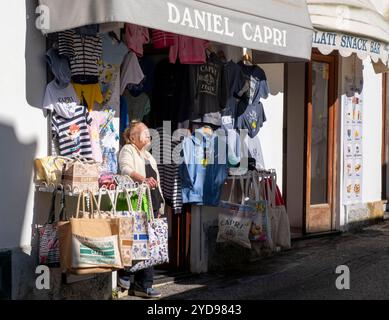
{"x":235,"y":220}
{"x":48,"y":235}
{"x":280,"y":226}
{"x":140,"y":244}
{"x":89,"y":242}
{"x":261,"y":224}
{"x":81,"y":174}
{"x":158,"y":240}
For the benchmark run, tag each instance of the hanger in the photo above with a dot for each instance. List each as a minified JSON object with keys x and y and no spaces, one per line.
{"x":114,"y":36}
{"x":247,"y":60}
{"x":208,"y":130}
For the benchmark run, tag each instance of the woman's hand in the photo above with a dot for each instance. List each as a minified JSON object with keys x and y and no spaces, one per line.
{"x":151,"y":182}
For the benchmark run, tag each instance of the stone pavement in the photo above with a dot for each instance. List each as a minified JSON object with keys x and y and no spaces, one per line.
{"x":305,"y":272}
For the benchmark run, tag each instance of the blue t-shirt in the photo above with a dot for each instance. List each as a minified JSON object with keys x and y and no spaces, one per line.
{"x":113,"y":51}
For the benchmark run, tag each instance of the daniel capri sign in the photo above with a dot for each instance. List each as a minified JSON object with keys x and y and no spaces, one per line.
{"x":220,"y":25}
{"x":278,"y":26}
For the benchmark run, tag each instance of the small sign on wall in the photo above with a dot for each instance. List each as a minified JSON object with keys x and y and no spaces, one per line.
{"x":352,"y":106}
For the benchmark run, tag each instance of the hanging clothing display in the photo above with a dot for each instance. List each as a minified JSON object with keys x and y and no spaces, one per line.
{"x":72,"y":132}
{"x":84,"y":52}
{"x":130,"y":71}
{"x":162,"y":39}
{"x":113,"y":51}
{"x":59,"y":66}
{"x":147,"y":84}
{"x":89,"y":94}
{"x":136,"y":37}
{"x":109,"y":71}
{"x":208,"y":88}
{"x":254,"y":148}
{"x":171,"y":96}
{"x":249,"y":117}
{"x":110,"y":84}
{"x":156,"y":196}
{"x":204,"y":170}
{"x":169,"y":170}
{"x":138,"y":107}
{"x":111,"y":27}
{"x":98,"y":120}
{"x":189,"y":50}
{"x":60,"y":99}
{"x":235,"y":79}
{"x":89,"y":30}
{"x":259,"y":88}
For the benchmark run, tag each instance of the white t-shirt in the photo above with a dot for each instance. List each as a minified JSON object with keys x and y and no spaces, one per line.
{"x":130,"y":71}
{"x":57,"y":98}
{"x":255,"y":151}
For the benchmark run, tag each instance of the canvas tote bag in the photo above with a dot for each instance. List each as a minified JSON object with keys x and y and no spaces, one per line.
{"x":235,"y":220}
{"x":89,"y":244}
{"x":123,"y":224}
{"x":261,"y":226}
{"x":279,"y":218}
{"x":48,"y":234}
{"x":140,"y":244}
{"x":158,"y":240}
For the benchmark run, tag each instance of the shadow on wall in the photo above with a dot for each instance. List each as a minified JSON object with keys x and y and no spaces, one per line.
{"x":35,"y":58}
{"x":15,"y":176}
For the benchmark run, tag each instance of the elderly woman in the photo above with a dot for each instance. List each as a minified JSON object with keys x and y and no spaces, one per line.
{"x":136,"y":162}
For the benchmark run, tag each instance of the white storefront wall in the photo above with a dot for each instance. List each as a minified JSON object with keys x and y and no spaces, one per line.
{"x":23,"y":129}
{"x":352,"y":67}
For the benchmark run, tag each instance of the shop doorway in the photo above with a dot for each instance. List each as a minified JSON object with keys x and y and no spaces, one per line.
{"x":320,"y":144}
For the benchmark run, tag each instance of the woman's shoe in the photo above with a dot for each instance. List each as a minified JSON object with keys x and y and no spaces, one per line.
{"x":149,"y":293}
{"x":124,"y":282}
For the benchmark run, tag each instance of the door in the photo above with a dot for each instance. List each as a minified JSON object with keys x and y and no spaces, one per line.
{"x":320,"y":137}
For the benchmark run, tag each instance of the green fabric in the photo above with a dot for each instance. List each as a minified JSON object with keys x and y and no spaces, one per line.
{"x":121,"y":204}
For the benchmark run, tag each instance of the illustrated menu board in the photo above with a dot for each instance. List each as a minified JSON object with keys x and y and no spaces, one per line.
{"x":353,"y":152}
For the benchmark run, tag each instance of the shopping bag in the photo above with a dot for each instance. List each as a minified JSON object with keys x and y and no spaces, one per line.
{"x":48,"y":235}
{"x":261,"y":225}
{"x":89,"y":244}
{"x":49,"y":169}
{"x":123,"y":224}
{"x":280,"y":226}
{"x":158,"y":241}
{"x":234,"y":228}
{"x":81,"y":174}
{"x":140,"y":245}
{"x":235,"y":220}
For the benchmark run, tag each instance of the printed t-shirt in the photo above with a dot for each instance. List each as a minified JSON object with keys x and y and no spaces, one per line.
{"x":250,"y":117}
{"x":62,"y":97}
{"x":208,"y":88}
{"x":73,"y":134}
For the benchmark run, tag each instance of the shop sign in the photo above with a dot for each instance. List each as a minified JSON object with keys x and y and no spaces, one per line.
{"x":327,"y":42}
{"x":216,"y":23}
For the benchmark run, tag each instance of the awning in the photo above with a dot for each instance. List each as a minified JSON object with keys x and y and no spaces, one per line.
{"x":351,"y":26}
{"x":346,"y":44}
{"x":277,"y":26}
